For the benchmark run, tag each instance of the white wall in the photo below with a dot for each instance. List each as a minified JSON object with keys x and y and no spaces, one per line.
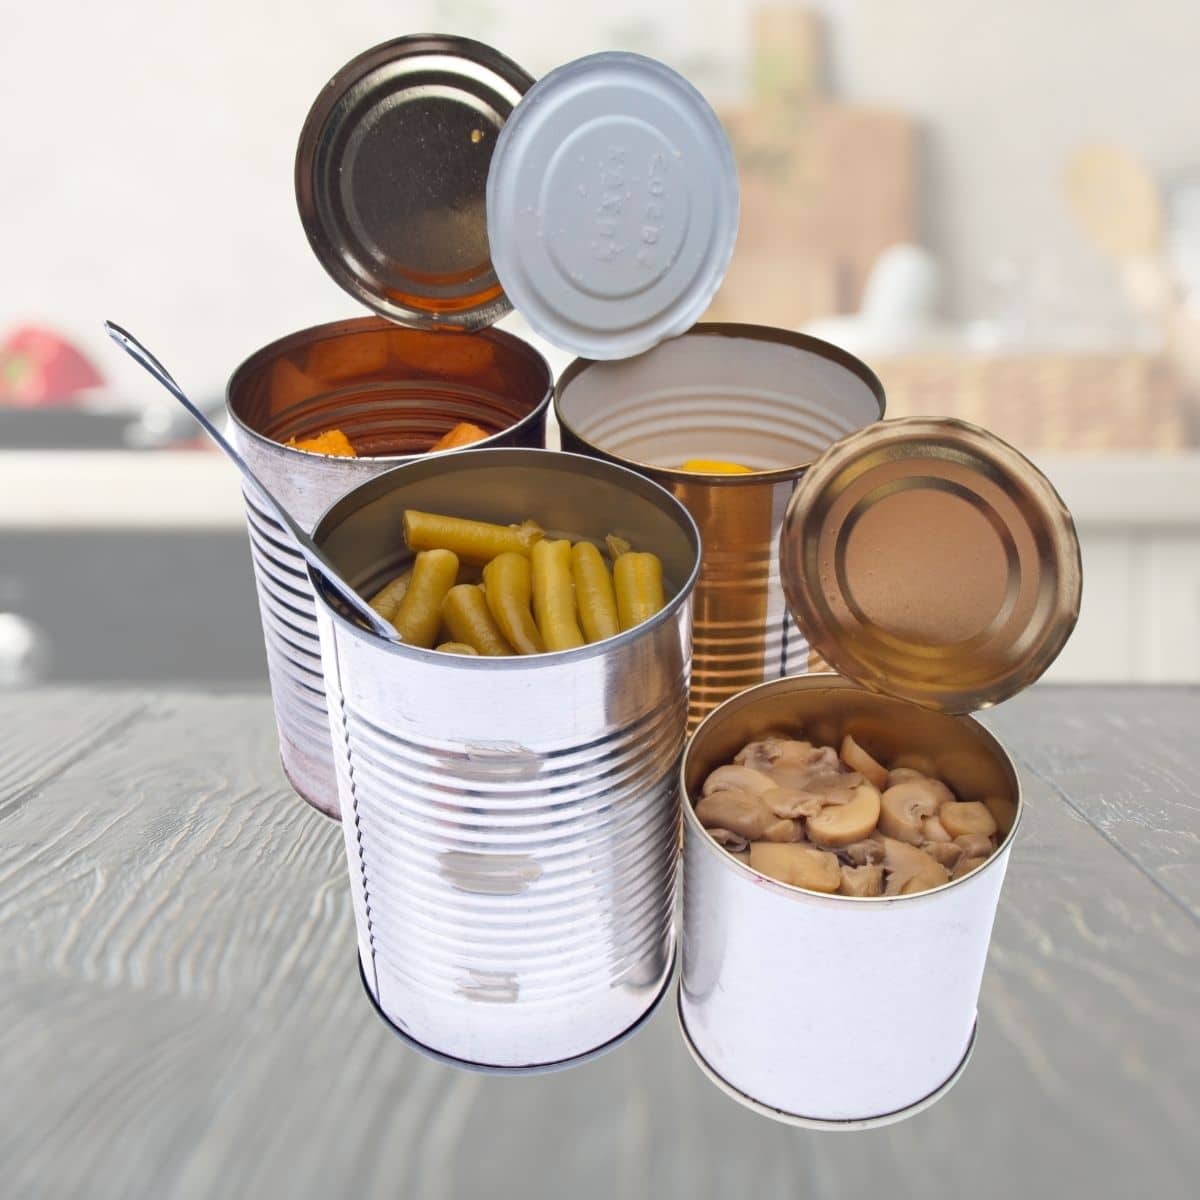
{"x":1006,"y":90}
{"x":147,"y":146}
{"x":146,"y":150}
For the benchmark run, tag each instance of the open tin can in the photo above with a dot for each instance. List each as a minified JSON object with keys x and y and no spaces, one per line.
{"x":511,"y":824}
{"x":392,"y":391}
{"x":938,"y":572}
{"x":767,"y":399}
{"x":391,"y":169}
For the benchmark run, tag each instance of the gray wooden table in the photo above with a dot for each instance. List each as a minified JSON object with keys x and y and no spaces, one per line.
{"x":181,"y":1015}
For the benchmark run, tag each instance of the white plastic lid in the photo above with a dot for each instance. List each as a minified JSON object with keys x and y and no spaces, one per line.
{"x":612,"y":205}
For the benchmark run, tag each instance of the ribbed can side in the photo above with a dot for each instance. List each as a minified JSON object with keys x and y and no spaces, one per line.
{"x":289,"y":624}
{"x":512,"y":823}
{"x":392,"y":391}
{"x":517,"y":871}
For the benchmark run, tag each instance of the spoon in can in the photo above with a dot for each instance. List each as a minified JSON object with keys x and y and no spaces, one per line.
{"x":309,"y":550}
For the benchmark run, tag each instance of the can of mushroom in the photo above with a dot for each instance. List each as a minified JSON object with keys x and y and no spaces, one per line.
{"x":393,"y":392}
{"x":725,"y":395}
{"x":832,"y":1010}
{"x":846,"y":836}
{"x":511,"y":823}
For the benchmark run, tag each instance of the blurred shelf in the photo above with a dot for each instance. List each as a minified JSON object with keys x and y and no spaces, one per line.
{"x":118,"y":489}
{"x":1138,"y":517}
{"x":47,"y":489}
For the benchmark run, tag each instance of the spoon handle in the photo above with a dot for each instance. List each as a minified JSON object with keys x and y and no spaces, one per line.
{"x":312,"y":554}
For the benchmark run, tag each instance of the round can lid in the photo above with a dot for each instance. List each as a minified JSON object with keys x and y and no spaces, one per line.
{"x":612,"y":205}
{"x":391,"y":175}
{"x":929,"y":560}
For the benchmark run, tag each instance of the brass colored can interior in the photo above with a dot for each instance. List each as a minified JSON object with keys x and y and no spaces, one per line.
{"x":929,"y":560}
{"x":767,"y":399}
{"x":391,"y":171}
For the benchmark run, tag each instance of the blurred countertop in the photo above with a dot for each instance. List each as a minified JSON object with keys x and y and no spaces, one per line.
{"x":197,"y":489}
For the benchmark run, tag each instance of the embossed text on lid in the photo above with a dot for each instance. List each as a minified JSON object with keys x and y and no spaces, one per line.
{"x":929,"y":560}
{"x":612,"y":205}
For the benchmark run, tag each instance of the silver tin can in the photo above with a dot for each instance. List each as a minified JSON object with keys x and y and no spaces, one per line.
{"x":511,"y":824}
{"x":830,"y":1010}
{"x":393,"y":391}
{"x":765,"y":398}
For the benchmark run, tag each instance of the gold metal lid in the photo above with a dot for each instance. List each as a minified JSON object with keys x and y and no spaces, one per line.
{"x":391,"y":174}
{"x":928,"y":560}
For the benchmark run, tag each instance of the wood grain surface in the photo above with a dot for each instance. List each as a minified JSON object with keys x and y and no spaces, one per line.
{"x":181,"y":1016}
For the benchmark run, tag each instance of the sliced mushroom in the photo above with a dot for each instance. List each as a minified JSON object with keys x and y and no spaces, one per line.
{"x":934,"y":830}
{"x":801,"y":866}
{"x":739,"y":812}
{"x":771,"y":750}
{"x":860,"y":854}
{"x":788,"y":802}
{"x":818,"y":778}
{"x":947,"y":853}
{"x":843,"y":824}
{"x":733,"y":842}
{"x":862,"y":881}
{"x":968,"y":817}
{"x":1003,"y":810}
{"x":805,"y":754}
{"x":904,"y":806}
{"x":857,"y":759}
{"x":966,"y":866}
{"x":909,"y":869}
{"x":739,"y":779}
{"x":974,"y":845}
{"x":784,"y":831}
{"x":902,"y":775}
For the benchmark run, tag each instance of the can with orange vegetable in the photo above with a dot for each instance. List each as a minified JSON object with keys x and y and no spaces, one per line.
{"x":319,"y":412}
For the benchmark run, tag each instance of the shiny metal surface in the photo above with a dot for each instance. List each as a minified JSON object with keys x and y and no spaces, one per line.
{"x":511,"y":824}
{"x":849,"y":1126}
{"x":612,"y":203}
{"x":393,"y":391}
{"x":929,"y":560}
{"x":766,"y":398}
{"x":832,"y":1008}
{"x":391,"y":174}
{"x":313,"y":557}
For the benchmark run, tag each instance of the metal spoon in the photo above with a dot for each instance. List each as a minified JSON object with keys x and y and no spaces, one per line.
{"x":312,"y":554}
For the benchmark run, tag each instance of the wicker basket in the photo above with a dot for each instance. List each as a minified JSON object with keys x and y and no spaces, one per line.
{"x":1059,"y":402}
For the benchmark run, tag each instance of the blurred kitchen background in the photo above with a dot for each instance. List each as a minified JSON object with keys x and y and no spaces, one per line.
{"x":997,"y":205}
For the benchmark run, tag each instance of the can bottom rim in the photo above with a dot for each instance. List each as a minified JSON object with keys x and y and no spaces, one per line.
{"x":307,"y":796}
{"x":562,"y":1064}
{"x":825,"y":1124}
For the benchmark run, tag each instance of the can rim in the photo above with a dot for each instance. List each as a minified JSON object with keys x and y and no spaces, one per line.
{"x":328,"y":250}
{"x":528,"y":165}
{"x":836,"y":682}
{"x":731,"y":329}
{"x":582,"y":465}
{"x":978,"y":453}
{"x":550,"y":1068}
{"x":373,"y":323}
{"x":823,"y":1124}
